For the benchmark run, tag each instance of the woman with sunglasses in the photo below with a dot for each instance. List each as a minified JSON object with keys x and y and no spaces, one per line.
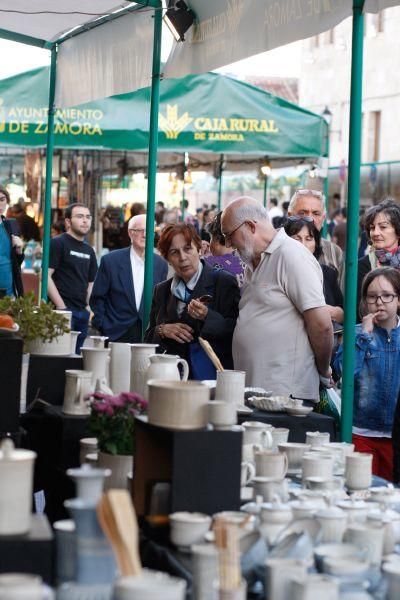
{"x":377,"y":368}
{"x":304,"y":231}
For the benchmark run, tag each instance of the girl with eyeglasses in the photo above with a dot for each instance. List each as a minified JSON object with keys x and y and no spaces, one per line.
{"x":377,"y":369}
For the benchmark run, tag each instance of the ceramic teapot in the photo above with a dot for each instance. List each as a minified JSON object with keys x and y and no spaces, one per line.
{"x":78,"y":385}
{"x":165,"y":367}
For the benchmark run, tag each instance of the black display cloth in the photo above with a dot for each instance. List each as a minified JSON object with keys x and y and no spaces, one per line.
{"x":298,"y":426}
{"x":46,"y":377}
{"x":55,"y":437}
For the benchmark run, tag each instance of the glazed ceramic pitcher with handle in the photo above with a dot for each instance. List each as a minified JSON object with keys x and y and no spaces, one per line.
{"x":165,"y":366}
{"x":78,"y":385}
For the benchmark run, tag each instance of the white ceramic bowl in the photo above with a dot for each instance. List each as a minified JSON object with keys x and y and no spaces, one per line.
{"x":187,"y":528}
{"x":178,"y":404}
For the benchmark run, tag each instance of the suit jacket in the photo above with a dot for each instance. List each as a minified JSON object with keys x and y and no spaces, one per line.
{"x":113,"y":297}
{"x":219,"y":324}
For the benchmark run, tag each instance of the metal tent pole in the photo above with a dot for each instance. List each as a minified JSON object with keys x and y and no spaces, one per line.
{"x":219,"y":201}
{"x":352,"y":221}
{"x":49,"y":173}
{"x":152,"y":169}
{"x":265,"y":191}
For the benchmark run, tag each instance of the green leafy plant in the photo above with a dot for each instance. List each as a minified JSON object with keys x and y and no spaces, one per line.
{"x":112,"y":420}
{"x":36,"y":321}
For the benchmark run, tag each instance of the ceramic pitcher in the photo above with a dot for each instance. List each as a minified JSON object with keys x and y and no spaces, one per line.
{"x":120,"y":367}
{"x":165,"y":366}
{"x":140,"y":362}
{"x":78,"y":385}
{"x":96,"y":361}
{"x":16,"y":477}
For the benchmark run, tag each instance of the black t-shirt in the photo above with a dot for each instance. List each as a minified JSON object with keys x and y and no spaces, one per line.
{"x":75,"y":266}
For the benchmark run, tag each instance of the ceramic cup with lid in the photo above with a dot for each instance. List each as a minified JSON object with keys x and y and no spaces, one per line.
{"x":16,"y":477}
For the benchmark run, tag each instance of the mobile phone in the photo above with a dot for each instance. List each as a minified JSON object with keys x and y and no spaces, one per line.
{"x":205,"y":299}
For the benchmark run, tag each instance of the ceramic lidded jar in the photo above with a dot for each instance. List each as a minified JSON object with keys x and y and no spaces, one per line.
{"x":16,"y":477}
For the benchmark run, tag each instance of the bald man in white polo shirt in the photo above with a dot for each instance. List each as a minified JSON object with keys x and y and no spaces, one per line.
{"x":283,"y":337}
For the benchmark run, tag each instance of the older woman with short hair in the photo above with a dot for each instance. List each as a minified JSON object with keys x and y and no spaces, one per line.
{"x":196,"y":301}
{"x":382,"y":225}
{"x":223,"y":257}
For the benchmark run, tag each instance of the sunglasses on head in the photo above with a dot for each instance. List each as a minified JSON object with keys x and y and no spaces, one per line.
{"x":304,"y":192}
{"x":296,"y":219}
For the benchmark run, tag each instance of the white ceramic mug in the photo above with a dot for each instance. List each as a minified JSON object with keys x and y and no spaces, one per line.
{"x":280,"y":435}
{"x":222,"y":415}
{"x":271,"y":464}
{"x":257,"y":432}
{"x":317,"y":465}
{"x":279,"y":573}
{"x":358,"y":471}
{"x":230,"y":386}
{"x":187,"y":528}
{"x":247,"y":473}
{"x":294,"y":452}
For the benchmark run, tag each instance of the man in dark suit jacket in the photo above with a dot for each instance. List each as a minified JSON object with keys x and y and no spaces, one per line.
{"x":117,"y":295}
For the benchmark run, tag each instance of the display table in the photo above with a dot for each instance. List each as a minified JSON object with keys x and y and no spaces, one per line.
{"x":298,"y":426}
{"x":55,"y":438}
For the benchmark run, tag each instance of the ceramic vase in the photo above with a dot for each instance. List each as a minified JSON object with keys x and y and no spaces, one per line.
{"x":16,"y":477}
{"x":96,"y":361}
{"x":140,"y":362}
{"x":120,"y":367}
{"x":95,"y":562}
{"x":119,"y":464}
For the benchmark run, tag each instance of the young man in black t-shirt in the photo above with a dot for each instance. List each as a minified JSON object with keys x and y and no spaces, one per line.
{"x":72,"y":269}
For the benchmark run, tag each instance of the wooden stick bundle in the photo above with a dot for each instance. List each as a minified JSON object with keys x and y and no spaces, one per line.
{"x":227,"y":542}
{"x":211,"y":354}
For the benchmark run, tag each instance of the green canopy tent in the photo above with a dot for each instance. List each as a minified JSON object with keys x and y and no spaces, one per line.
{"x":194,"y":117}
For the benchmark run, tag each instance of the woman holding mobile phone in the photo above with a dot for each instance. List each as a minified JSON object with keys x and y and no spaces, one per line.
{"x":197,"y":301}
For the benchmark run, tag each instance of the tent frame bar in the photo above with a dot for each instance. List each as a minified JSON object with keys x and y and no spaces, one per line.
{"x":23,"y":39}
{"x":152,"y":167}
{"x":49,"y":174}
{"x":351,"y":268}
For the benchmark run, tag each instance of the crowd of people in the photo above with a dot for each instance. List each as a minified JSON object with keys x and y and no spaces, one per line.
{"x":268,"y":299}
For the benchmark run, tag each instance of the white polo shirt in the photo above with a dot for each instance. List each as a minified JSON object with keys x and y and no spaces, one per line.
{"x":270,"y":341}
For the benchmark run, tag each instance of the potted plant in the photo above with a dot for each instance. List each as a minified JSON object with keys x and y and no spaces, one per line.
{"x":111,"y":421}
{"x":44,"y":330}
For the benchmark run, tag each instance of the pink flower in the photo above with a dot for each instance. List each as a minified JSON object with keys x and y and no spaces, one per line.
{"x":117,"y":401}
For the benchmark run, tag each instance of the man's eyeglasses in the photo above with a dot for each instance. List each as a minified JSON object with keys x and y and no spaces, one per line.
{"x":227,"y":236}
{"x":297,"y":218}
{"x":385,"y":298}
{"x":138,"y":230}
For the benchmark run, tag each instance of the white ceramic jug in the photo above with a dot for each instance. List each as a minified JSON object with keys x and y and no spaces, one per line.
{"x":78,"y":385}
{"x":16,"y":476}
{"x":120,"y":367}
{"x":140,"y":362}
{"x":257,"y":432}
{"x":165,"y":366}
{"x":96,"y":361}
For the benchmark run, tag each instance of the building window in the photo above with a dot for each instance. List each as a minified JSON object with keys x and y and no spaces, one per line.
{"x":373,"y":24}
{"x":373,"y":135}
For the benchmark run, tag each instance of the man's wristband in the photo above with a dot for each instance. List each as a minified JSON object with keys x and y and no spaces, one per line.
{"x":325,"y":380}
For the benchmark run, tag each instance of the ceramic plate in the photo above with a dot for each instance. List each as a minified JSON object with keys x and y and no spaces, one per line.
{"x":298,"y":411}
{"x":243,"y":410}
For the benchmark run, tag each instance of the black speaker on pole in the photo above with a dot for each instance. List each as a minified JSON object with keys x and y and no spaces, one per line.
{"x":10,"y":383}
